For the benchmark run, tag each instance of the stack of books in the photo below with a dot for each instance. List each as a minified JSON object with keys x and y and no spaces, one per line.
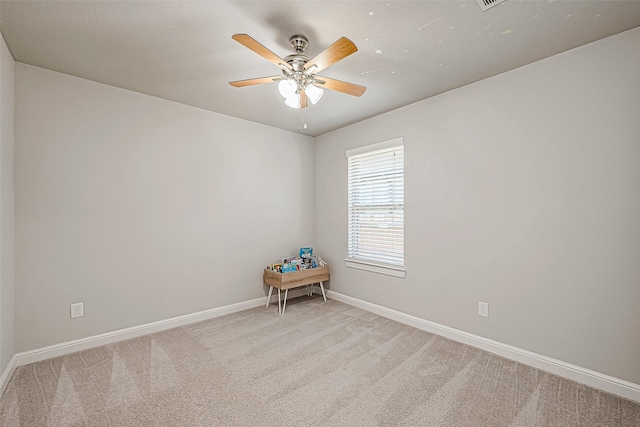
{"x":304,"y":261}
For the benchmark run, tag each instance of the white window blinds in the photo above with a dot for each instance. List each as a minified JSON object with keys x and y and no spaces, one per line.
{"x":376,"y":203}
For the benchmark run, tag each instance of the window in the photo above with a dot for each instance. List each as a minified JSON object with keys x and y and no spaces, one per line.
{"x":376,"y":207}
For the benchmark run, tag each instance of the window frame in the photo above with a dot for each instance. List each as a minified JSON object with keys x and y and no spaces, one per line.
{"x":394,"y":270}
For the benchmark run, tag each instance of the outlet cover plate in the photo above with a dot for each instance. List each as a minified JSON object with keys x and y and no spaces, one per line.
{"x":77,"y":310}
{"x":483,"y":309}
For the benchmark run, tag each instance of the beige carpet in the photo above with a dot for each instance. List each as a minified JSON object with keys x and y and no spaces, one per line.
{"x":318,"y":364}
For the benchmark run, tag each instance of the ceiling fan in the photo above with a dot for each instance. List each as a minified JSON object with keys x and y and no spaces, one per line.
{"x":299,"y":83}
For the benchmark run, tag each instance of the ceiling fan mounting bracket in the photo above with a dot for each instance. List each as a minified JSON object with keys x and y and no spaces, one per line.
{"x":299,"y":42}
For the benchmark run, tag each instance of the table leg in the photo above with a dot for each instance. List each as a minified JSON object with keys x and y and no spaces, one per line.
{"x":269,"y":297}
{"x":286,"y":291}
{"x":279,"y":310}
{"x":323,"y":295}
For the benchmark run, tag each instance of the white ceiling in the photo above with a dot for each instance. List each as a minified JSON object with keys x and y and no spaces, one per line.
{"x":183,"y":51}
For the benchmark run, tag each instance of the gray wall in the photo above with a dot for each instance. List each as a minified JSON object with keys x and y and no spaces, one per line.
{"x":6,"y":204}
{"x":144,"y":209}
{"x":523,"y":191}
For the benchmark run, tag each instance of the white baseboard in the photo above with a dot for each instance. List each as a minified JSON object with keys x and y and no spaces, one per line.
{"x":7,"y":374}
{"x":69,"y":347}
{"x":585,"y":376}
{"x":579,"y":374}
{"x":57,"y":350}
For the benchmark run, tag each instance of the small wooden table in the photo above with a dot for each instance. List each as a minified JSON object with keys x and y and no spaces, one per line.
{"x":295,"y":279}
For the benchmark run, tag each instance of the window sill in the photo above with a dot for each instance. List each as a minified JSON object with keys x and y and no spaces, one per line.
{"x":377,"y":268}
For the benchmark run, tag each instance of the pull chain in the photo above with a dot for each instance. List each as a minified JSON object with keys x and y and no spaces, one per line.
{"x":302,"y":120}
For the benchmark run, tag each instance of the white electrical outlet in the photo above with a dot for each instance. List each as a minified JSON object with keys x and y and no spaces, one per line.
{"x":77,"y":310}
{"x":483,"y":308}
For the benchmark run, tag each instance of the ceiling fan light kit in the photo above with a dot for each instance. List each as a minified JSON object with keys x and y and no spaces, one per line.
{"x":299,"y":83}
{"x":289,"y":89}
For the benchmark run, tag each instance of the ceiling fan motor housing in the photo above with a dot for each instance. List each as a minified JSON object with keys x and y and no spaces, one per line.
{"x":297,"y":61}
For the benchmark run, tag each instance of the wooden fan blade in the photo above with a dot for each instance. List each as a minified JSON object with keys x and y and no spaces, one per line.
{"x":334,"y":53}
{"x":258,"y":81}
{"x":339,"y":86}
{"x":304,"y":101}
{"x":249,"y":42}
